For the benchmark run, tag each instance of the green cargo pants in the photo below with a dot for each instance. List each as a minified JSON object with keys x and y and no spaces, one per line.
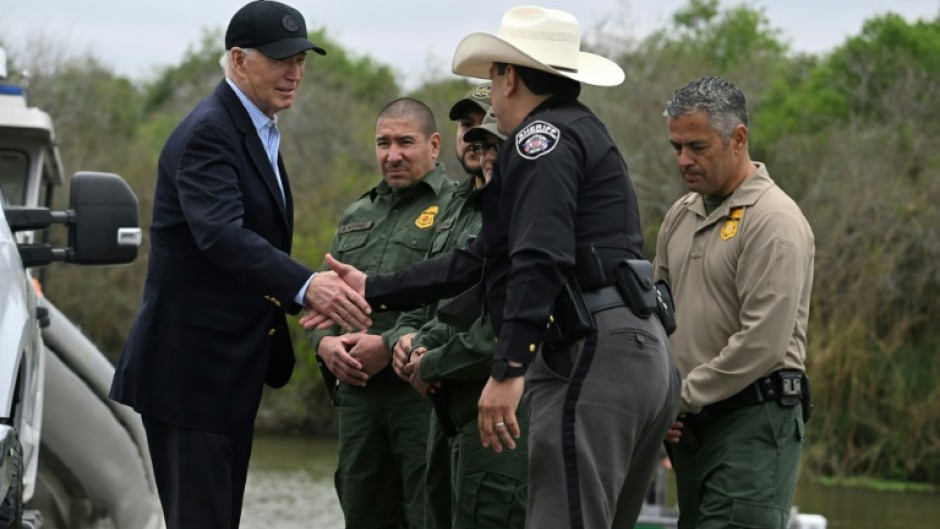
{"x":439,"y":492}
{"x":383,"y":434}
{"x":744,"y":472}
{"x":489,"y":488}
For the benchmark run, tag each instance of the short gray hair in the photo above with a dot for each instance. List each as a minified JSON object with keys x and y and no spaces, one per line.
{"x":226,"y":59}
{"x":723,"y":101}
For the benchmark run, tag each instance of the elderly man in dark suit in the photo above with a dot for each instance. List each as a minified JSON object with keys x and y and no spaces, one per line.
{"x":211,"y":330}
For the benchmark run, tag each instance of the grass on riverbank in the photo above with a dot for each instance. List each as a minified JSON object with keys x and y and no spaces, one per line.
{"x":877,"y":484}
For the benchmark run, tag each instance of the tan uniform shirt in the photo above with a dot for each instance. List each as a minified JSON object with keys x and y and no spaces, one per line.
{"x":741,"y":277}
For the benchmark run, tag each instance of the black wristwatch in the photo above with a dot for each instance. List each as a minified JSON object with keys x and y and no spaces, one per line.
{"x":501,"y":370}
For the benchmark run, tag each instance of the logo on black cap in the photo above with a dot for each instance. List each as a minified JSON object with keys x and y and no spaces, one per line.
{"x":290,"y":23}
{"x":482,"y":91}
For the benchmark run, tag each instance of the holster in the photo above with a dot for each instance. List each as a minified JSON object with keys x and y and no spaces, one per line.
{"x":329,"y":380}
{"x":807,"y":401}
{"x":634,"y":278}
{"x":571,"y":319}
{"x":440,"y":401}
{"x":665,"y":307}
{"x":462,"y":310}
{"x":689,"y":439}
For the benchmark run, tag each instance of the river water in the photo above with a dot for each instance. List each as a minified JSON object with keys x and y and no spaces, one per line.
{"x":290,"y":486}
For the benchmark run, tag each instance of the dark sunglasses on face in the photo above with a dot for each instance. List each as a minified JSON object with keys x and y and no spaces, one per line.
{"x":480,"y":148}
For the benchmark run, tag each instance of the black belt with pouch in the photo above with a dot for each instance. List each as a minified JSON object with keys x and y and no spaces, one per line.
{"x":571,"y":318}
{"x":787,"y":387}
{"x":643,"y":296}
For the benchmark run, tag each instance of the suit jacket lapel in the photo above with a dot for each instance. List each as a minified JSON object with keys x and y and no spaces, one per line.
{"x":256,"y":150}
{"x":290,"y":198}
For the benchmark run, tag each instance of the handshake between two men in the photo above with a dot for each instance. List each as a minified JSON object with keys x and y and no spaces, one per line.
{"x":337,"y":297}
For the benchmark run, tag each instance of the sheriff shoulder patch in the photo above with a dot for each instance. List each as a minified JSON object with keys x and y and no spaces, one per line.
{"x":537,"y":139}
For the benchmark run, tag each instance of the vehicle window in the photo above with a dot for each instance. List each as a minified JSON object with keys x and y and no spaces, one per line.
{"x":14,"y":167}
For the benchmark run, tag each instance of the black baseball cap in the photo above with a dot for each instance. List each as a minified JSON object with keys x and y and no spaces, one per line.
{"x":277,"y":30}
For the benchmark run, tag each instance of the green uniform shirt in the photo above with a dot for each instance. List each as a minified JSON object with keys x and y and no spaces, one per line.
{"x":383,"y":232}
{"x":452,"y":354}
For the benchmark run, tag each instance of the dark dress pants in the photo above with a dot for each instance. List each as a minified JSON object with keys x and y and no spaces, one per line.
{"x":200,"y":475}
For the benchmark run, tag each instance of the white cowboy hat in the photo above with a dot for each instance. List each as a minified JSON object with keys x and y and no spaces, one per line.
{"x":540,"y":38}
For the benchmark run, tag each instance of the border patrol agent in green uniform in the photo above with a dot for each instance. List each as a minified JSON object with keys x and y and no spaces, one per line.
{"x":489,"y":488}
{"x":468,"y":112}
{"x":383,"y":422}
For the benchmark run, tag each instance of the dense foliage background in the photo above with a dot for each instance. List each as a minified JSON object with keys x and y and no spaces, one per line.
{"x":852,"y":135}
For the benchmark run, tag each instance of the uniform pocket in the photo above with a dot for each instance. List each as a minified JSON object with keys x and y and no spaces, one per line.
{"x":409,"y":246}
{"x":414,"y":242}
{"x":441,"y":237}
{"x":636,"y":337}
{"x":486,"y":499}
{"x":757,"y":515}
{"x":351,"y":241}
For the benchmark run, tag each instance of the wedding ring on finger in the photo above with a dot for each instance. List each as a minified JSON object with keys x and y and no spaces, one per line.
{"x":499,"y":425}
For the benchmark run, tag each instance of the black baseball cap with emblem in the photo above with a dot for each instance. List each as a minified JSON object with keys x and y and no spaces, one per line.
{"x":478,"y":96}
{"x":277,"y":30}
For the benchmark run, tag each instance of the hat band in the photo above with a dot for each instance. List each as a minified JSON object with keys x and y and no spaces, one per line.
{"x":564,"y":69}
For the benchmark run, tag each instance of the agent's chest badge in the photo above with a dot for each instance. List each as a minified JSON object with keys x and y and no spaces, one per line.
{"x":426,"y":219}
{"x":730,"y":229}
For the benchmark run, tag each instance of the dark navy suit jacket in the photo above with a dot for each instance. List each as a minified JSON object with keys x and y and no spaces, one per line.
{"x":212,"y":327}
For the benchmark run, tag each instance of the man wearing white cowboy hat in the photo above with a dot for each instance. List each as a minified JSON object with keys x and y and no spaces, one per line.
{"x":560,"y":247}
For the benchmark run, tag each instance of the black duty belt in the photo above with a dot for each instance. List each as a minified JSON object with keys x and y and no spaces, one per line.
{"x":785,"y":386}
{"x":603,"y":298}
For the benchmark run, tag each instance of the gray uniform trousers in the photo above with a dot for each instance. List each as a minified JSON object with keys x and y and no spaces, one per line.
{"x":596,"y":428}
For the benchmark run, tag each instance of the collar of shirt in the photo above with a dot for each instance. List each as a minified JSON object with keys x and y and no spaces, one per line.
{"x":258,"y":118}
{"x":267,"y":131}
{"x":745,"y":195}
{"x":435,"y":179}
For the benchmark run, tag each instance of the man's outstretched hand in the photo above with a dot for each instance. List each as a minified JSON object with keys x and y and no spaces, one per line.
{"x":337,"y":296}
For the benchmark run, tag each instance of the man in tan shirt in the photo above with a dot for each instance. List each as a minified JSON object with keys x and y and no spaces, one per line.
{"x":738,"y":254}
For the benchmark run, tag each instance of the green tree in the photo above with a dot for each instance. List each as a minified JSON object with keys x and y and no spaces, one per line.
{"x":855,"y":137}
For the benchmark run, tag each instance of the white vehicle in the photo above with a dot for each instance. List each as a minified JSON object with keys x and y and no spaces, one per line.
{"x":69,"y":457}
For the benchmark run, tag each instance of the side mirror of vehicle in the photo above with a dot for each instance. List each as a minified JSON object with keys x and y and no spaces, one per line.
{"x":106,"y":227}
{"x":102,"y":220}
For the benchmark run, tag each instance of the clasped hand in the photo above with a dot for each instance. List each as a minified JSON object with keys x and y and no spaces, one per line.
{"x":406,"y":361}
{"x":354,"y":358}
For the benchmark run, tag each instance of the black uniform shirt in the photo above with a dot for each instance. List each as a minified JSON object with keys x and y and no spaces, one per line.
{"x":559,"y":184}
